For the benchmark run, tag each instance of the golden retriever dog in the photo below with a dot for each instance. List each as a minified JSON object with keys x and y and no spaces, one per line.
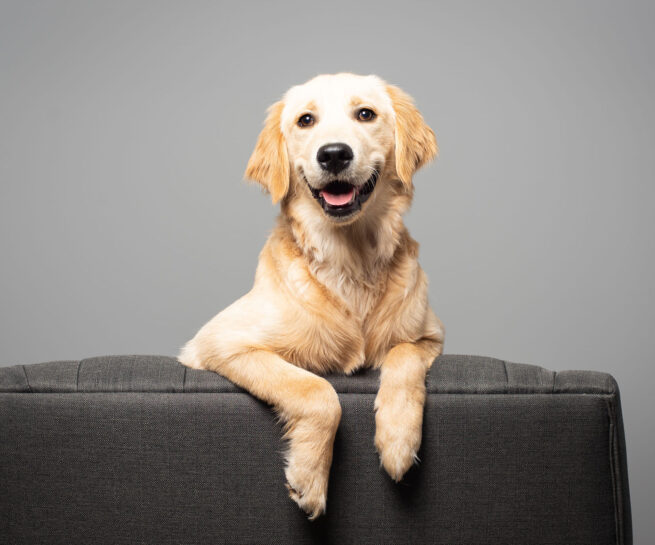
{"x":338,"y":286}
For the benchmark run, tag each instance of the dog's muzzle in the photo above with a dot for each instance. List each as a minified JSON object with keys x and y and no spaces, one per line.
{"x":340,"y":199}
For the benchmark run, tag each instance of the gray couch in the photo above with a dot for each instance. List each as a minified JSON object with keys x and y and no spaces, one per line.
{"x":139,"y":449}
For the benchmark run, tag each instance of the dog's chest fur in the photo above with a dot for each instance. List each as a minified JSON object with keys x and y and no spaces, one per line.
{"x":349,"y":303}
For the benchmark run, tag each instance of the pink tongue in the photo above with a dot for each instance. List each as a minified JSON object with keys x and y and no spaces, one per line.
{"x":338,"y":199}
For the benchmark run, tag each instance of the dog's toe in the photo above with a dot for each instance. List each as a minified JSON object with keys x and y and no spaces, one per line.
{"x":293,"y":493}
{"x":397,"y":458}
{"x":311,"y":498}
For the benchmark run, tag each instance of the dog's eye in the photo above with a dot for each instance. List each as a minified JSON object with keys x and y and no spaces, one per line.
{"x":365,"y":114}
{"x":306,"y":120}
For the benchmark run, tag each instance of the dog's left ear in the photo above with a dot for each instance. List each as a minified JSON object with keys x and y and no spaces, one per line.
{"x":415,"y":141}
{"x":269,"y":162}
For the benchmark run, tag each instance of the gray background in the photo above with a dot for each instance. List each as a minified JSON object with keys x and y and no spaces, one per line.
{"x":125,"y":128}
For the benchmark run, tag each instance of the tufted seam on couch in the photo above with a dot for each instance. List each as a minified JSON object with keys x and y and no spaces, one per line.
{"x":27,"y":380}
{"x":77,"y":378}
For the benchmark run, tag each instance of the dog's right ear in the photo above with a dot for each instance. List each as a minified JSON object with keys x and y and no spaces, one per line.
{"x":269,"y":162}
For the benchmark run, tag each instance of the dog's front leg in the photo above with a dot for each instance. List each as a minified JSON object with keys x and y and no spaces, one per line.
{"x":309,"y":408}
{"x":400,"y":402}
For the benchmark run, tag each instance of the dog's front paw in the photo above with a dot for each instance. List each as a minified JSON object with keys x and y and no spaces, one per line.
{"x":310,"y":455}
{"x":398,"y":423}
{"x":308,"y":490}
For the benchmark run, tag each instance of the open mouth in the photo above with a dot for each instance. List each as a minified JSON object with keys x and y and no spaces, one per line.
{"x":340,"y":199}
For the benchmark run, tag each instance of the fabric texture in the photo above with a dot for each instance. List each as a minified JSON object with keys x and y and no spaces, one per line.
{"x":140,"y":450}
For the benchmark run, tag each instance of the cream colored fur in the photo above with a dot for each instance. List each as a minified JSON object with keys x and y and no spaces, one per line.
{"x":333,"y":296}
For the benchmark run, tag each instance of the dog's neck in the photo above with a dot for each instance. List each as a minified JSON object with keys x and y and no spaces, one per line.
{"x":351,"y":260}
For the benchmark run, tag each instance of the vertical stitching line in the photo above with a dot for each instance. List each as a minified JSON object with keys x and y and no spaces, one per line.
{"x":27,"y":379}
{"x":613,"y":469}
{"x":184,"y":379}
{"x":77,"y":379}
{"x":506,"y":376}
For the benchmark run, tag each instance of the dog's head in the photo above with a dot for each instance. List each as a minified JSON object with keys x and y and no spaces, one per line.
{"x":336,"y":140}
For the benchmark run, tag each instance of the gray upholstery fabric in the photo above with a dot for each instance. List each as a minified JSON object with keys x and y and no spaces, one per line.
{"x":139,"y":449}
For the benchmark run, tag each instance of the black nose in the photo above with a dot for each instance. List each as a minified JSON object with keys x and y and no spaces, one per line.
{"x":334,"y":157}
